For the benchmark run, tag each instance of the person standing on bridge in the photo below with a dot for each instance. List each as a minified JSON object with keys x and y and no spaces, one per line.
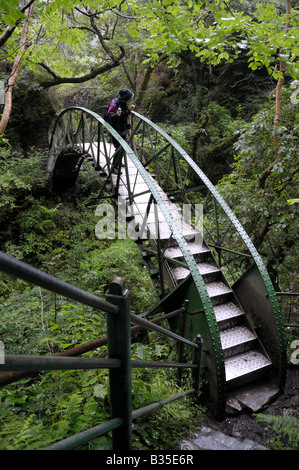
{"x":117,"y":115}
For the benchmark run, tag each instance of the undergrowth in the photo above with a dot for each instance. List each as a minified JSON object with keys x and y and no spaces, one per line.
{"x":56,"y":233}
{"x":285,"y":429}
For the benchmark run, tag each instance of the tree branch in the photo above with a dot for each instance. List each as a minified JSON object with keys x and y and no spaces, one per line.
{"x":84,"y":78}
{"x":83,"y":28}
{"x":113,"y":9}
{"x":44,"y":66}
{"x":101,"y":39}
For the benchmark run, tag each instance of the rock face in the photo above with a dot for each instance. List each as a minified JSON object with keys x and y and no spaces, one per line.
{"x":32,"y":119}
{"x":209,"y":439}
{"x":35,"y":110}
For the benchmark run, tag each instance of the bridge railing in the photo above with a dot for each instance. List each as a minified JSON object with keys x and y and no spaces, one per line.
{"x":185,"y":183}
{"x":119,"y":363}
{"x":233,"y":250}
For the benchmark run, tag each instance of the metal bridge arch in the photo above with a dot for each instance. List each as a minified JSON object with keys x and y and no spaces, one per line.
{"x":81,"y":135}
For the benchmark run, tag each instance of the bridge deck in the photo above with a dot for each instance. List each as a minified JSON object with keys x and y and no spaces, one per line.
{"x":132,"y":188}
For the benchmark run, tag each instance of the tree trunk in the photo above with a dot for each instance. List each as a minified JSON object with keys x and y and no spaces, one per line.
{"x":267,"y":171}
{"x":14,"y":74}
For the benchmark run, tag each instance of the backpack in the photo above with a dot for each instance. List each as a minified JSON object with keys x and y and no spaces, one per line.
{"x":106,"y":115}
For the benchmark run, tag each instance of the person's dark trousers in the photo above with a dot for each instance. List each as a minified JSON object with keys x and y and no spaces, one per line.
{"x":117,"y":157}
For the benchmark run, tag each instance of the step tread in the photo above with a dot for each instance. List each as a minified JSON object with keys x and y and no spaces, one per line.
{"x":166,"y":232}
{"x":204,"y":268}
{"x":195,"y":249}
{"x":235,"y":336}
{"x":217,"y":288}
{"x":227,"y":311}
{"x":245,"y":363}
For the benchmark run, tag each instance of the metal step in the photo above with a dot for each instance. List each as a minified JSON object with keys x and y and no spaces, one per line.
{"x":207,"y":270}
{"x":165,"y":232}
{"x":236,"y":340}
{"x":218,"y":292}
{"x":228,"y":315}
{"x":198,"y":250}
{"x":245,"y":367}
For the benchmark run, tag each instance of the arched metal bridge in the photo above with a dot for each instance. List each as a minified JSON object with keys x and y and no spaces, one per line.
{"x":192,"y":243}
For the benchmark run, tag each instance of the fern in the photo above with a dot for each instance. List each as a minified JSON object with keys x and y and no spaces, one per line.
{"x":286,"y":426}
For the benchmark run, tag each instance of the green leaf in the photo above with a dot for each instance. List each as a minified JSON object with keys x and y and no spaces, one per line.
{"x":65,"y":345}
{"x":4,"y":5}
{"x":100,"y":391}
{"x":9,"y":20}
{"x":44,"y":340}
{"x":143,"y":352}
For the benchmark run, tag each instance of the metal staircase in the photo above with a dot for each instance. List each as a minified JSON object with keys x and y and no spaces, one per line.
{"x":232,"y":303}
{"x":244,"y":356}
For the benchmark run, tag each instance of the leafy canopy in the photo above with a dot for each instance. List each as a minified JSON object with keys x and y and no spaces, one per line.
{"x":61,"y":35}
{"x":214,"y":31}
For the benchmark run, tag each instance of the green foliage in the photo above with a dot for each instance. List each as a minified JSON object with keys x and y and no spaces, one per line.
{"x":39,"y":412}
{"x":270,"y":210}
{"x":57,"y":234}
{"x":220,"y":32}
{"x":214,"y":33}
{"x":10,"y":11}
{"x":18,"y":177}
{"x":119,"y":258}
{"x":51,"y":408}
{"x":167,"y":426}
{"x":164,"y":428}
{"x":286,"y":428}
{"x":262,"y":35}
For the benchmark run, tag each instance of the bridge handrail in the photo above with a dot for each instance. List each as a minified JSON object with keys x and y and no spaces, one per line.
{"x":28,"y":273}
{"x":254,"y":253}
{"x":236,"y":223}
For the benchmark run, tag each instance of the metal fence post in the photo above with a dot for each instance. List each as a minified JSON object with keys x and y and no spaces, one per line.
{"x":197,"y":360}
{"x":119,"y":347}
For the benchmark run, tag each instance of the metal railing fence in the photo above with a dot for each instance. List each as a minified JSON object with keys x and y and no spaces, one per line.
{"x":289,"y":306}
{"x":119,"y":330}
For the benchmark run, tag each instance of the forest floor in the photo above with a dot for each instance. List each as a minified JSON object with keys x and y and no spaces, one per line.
{"x":242,"y":426}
